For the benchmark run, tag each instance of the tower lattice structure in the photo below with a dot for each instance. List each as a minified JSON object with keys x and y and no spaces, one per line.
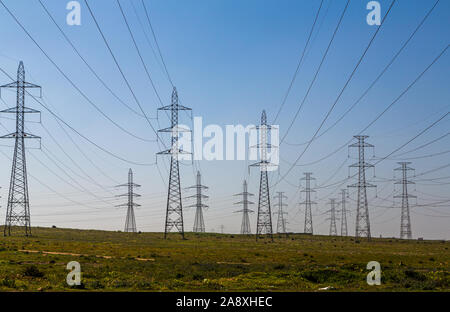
{"x":199,"y":222}
{"x":405,"y":222}
{"x":344,"y":231}
{"x":308,"y":228}
{"x":130,"y":221}
{"x":174,"y":208}
{"x":333,"y":228}
{"x":18,"y":208}
{"x":281,"y":220}
{"x":245,"y":225}
{"x":264,"y":215}
{"x":362,"y":209}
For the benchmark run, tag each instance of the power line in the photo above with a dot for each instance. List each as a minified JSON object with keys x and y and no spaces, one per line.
{"x":146,"y":37}
{"x":375,"y":80}
{"x":120,"y":69}
{"x":126,"y":80}
{"x":424,"y":145}
{"x":70,"y":80}
{"x":342,"y":182}
{"x":195,"y":167}
{"x":348,"y":79}
{"x":372,"y":122}
{"x":316,"y":74}
{"x":156,"y":41}
{"x":298,"y":65}
{"x":139,"y":53}
{"x":105,"y":85}
{"x":79,"y":133}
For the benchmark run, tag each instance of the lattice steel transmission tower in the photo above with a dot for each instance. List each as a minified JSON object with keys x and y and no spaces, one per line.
{"x":362,"y":209}
{"x":199,"y":223}
{"x":130,"y":222}
{"x":333,"y":228}
{"x":344,"y":231}
{"x":405,"y":223}
{"x":281,"y":222}
{"x":174,"y":210}
{"x":245,"y":225}
{"x":308,"y":203}
{"x":264,"y":218}
{"x":18,"y":209}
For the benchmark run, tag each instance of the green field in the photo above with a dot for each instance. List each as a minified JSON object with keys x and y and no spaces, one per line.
{"x":116,"y":261}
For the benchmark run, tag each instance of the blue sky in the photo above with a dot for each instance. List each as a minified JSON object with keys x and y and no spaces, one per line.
{"x":229,"y":60}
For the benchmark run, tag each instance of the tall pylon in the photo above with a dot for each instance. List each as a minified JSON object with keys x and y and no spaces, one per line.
{"x":18,"y":209}
{"x":362,"y":209}
{"x":130,"y":221}
{"x":174,"y":209}
{"x":199,"y":223}
{"x":281,"y":222}
{"x":245,"y":225}
{"x":308,"y":228}
{"x":405,"y":223}
{"x":264,"y":217}
{"x":344,"y":231}
{"x":333,"y":228}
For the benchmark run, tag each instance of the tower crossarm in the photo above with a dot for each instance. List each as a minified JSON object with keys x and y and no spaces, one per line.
{"x":244,"y":202}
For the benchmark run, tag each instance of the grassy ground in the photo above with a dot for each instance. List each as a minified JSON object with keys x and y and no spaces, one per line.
{"x":115,"y":261}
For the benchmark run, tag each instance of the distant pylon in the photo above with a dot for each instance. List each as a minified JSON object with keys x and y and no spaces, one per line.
{"x":264,"y":218}
{"x":130,"y":222}
{"x":333,"y":229}
{"x":405,"y":223}
{"x":281,"y":222}
{"x":344,"y":231}
{"x":199,"y":223}
{"x":222,"y":227}
{"x":174,"y":209}
{"x":362,"y":209}
{"x":245,"y":225}
{"x":18,"y":209}
{"x":308,"y":203}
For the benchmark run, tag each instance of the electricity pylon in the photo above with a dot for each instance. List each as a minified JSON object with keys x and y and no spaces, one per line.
{"x":174,"y":209}
{"x":199,"y":223}
{"x":333,"y":229}
{"x":281,"y":222}
{"x":130,"y":222}
{"x":245,"y":225}
{"x":405,"y":223}
{"x":18,"y":209}
{"x":264,"y":218}
{"x":308,"y":203}
{"x":344,"y":231}
{"x":362,"y":209}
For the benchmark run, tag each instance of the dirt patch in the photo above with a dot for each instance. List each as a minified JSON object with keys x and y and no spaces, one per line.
{"x":234,"y":263}
{"x":78,"y":255}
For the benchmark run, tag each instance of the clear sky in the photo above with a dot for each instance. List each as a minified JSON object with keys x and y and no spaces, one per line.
{"x":229,"y":61}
